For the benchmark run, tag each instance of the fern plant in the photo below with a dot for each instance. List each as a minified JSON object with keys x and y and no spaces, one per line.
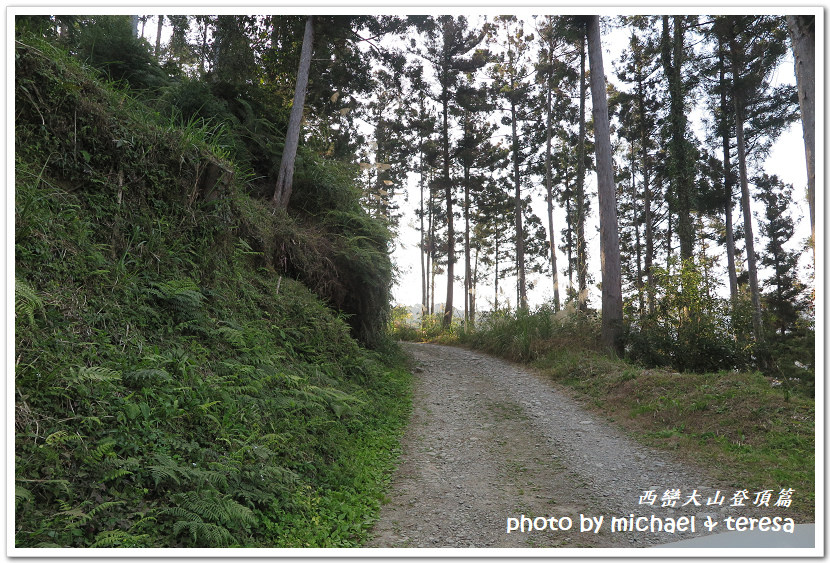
{"x":182,"y":297}
{"x":206,"y":517}
{"x":83,"y":375}
{"x":22,"y":494}
{"x":120,"y":538}
{"x":168,"y":470}
{"x":26,"y":301}
{"x":77,"y":518}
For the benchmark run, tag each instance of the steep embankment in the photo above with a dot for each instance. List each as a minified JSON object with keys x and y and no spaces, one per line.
{"x":173,"y":385}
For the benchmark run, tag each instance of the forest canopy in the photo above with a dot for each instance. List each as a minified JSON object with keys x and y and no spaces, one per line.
{"x":472,"y":119}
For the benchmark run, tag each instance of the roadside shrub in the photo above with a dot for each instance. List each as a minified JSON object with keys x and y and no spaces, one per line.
{"x":402,"y":326}
{"x":689,"y":329}
{"x":791,"y":358}
{"x":525,"y":336}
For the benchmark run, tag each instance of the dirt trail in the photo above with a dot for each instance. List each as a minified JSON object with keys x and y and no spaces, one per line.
{"x":488,"y":441}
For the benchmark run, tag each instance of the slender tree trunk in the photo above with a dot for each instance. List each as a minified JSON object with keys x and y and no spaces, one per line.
{"x":708,"y":278}
{"x":431,"y":253}
{"x":757,"y":326}
{"x":680,"y":178}
{"x":521,"y":301}
{"x":424,"y":289}
{"x":549,"y":190}
{"x":646,"y":165}
{"x":569,"y":237}
{"x":685,"y":225}
{"x":730,"y":242}
{"x":496,"y":277}
{"x":158,"y":35}
{"x":581,"y":254}
{"x":637,"y":245}
{"x":467,"y":285}
{"x":612,"y":312}
{"x":803,"y":35}
{"x":203,"y":48}
{"x":727,"y":180}
{"x":668,"y":72}
{"x":448,"y":309}
{"x":473,"y":290}
{"x":282,"y":193}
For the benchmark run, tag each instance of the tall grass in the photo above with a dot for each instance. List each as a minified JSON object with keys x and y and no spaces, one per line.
{"x":524,"y":336}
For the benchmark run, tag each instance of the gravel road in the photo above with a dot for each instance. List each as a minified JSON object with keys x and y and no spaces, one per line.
{"x":489,"y":441}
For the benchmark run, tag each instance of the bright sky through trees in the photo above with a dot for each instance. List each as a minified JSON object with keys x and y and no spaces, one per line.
{"x":785,"y":160}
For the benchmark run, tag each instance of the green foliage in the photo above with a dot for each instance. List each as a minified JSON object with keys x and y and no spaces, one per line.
{"x":689,"y":329}
{"x":430,"y":328}
{"x":332,"y":246}
{"x":26,"y":301}
{"x":107,"y":43}
{"x":402,"y":326}
{"x":172,"y":387}
{"x":527,"y":335}
{"x":206,"y":516}
{"x":191,"y":106}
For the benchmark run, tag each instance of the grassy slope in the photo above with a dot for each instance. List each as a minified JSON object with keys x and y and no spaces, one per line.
{"x":172,"y":389}
{"x":751,"y":435}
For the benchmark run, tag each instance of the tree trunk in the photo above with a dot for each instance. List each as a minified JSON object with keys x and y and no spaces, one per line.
{"x":612,"y":312}
{"x":473,"y":291}
{"x":727,"y":180}
{"x":203,"y":48}
{"x":685,"y":179}
{"x":467,"y":284}
{"x":424,"y":297}
{"x":549,"y":189}
{"x":803,"y":35}
{"x":521,"y":302}
{"x":431,"y":250}
{"x":747,"y":212}
{"x":649,"y":258}
{"x":680,"y":178}
{"x":757,"y":326}
{"x":581,"y":254}
{"x":637,"y":243}
{"x":496,"y":276}
{"x":549,"y":173}
{"x":447,"y":319}
{"x":569,"y":238}
{"x":282,"y":193}
{"x":158,"y":35}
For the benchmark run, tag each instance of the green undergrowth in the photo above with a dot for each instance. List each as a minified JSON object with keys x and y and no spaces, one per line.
{"x":746,"y":430}
{"x":174,"y":386}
